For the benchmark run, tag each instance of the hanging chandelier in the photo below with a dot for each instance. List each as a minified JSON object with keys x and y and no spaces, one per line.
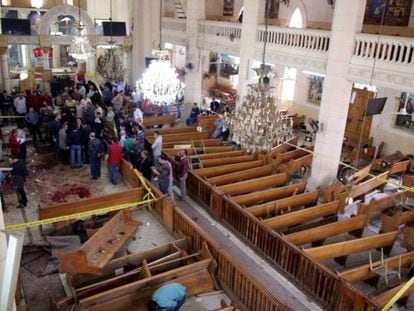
{"x":160,"y":83}
{"x":258,"y":124}
{"x":81,"y":49}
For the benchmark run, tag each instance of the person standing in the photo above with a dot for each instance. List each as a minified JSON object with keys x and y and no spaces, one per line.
{"x":168,"y":297}
{"x":157,"y":148}
{"x":21,"y":137}
{"x":14,"y":144}
{"x":63,"y":144}
{"x":75,"y":142}
{"x":32,"y":120}
{"x":94,"y":151}
{"x":21,"y":108}
{"x":19,"y":173}
{"x":182,"y":171}
{"x":114,"y":159}
{"x":145,"y":164}
{"x":163,"y":173}
{"x":54,"y":128}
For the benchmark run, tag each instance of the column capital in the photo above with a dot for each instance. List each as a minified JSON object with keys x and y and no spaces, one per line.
{"x":45,"y":42}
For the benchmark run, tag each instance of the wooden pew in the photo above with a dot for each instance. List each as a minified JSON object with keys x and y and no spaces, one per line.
{"x":385,"y":297}
{"x":219,"y":155}
{"x":269,"y":194}
{"x":352,"y":140}
{"x":323,"y":232}
{"x":254,"y":184}
{"x":285,"y":147}
{"x":391,"y":223}
{"x":172,"y":130}
{"x":95,"y":253}
{"x":305,"y":215}
{"x":241,"y":175}
{"x":179,"y":137}
{"x":408,"y":235}
{"x":194,"y":143}
{"x":291,"y":155}
{"x":347,"y":248}
{"x":297,"y":120}
{"x":197,"y":277}
{"x":207,"y":122}
{"x":206,"y":150}
{"x":386,"y":163}
{"x":364,"y":272}
{"x":408,"y":181}
{"x":227,"y":160}
{"x":308,"y":198}
{"x":365,"y":153}
{"x":380,"y":205}
{"x":294,"y":165}
{"x":369,"y":185}
{"x":225,"y":169}
{"x":151,"y":121}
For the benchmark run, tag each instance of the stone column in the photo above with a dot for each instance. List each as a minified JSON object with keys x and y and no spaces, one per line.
{"x":46,"y":64}
{"x":4,"y":65}
{"x":252,"y":16}
{"x":56,"y":56}
{"x":337,"y":89}
{"x":194,"y":78}
{"x":127,"y":46}
{"x":90,"y":63}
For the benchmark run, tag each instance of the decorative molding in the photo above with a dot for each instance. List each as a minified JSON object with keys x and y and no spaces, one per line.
{"x":45,"y":41}
{"x":4,"y":41}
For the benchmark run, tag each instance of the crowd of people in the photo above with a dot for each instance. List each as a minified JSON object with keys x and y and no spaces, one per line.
{"x":86,"y":127}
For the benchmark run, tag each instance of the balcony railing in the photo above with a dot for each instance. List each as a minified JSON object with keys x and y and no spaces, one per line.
{"x":307,"y":39}
{"x":174,"y":24}
{"x":220,"y":29}
{"x":385,"y":48}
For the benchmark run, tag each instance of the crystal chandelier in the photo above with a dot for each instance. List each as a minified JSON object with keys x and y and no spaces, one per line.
{"x":81,"y":49}
{"x":160,"y":83}
{"x":258,"y":124}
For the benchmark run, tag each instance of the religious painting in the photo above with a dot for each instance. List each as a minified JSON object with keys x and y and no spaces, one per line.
{"x":315,"y":89}
{"x":66,"y":24}
{"x":395,"y":12}
{"x":228,"y":7}
{"x":34,"y":17}
{"x":405,"y":111}
{"x":273,"y":9}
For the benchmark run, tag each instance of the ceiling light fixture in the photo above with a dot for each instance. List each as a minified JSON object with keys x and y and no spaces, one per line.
{"x":81,"y":49}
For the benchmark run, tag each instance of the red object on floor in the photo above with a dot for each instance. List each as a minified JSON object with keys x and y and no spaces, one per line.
{"x":81,"y":192}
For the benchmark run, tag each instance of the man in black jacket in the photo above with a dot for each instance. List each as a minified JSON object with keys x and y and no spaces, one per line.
{"x":75,"y":142}
{"x":19,"y":173}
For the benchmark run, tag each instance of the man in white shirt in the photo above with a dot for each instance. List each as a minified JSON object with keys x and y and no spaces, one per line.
{"x":138,"y":117}
{"x":120,"y":86}
{"x":21,"y":108}
{"x":157,"y":148}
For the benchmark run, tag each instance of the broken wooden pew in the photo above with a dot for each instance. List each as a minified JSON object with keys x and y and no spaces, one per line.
{"x":353,"y":141}
{"x":225,"y":169}
{"x":295,"y":165}
{"x":88,"y":205}
{"x":386,"y":163}
{"x":391,"y":223}
{"x":385,"y":297}
{"x":157,"y":120}
{"x":321,"y":233}
{"x":291,"y":155}
{"x":278,"y":206}
{"x":343,"y":249}
{"x":95,"y":253}
{"x":362,"y":273}
{"x":285,"y":147}
{"x":263,"y":196}
{"x":408,"y":235}
{"x":197,"y":277}
{"x":380,"y":205}
{"x":368,"y":153}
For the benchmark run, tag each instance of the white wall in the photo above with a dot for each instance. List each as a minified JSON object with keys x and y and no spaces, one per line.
{"x":383,"y":128}
{"x":121,"y":11}
{"x":215,"y":8}
{"x":315,"y":10}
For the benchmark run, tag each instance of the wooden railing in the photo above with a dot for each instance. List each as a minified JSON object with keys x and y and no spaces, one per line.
{"x":174,"y":24}
{"x":234,"y":279}
{"x":200,"y":188}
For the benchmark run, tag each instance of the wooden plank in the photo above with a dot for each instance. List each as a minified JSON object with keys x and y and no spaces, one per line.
{"x":282,"y":204}
{"x":290,"y":155}
{"x":206,"y":150}
{"x":326,"y":231}
{"x":254,"y":184}
{"x":86,"y":205}
{"x":399,"y":167}
{"x":226,"y":160}
{"x":297,"y":217}
{"x":369,"y":185}
{"x":285,"y":147}
{"x":269,"y":194}
{"x":350,"y":247}
{"x":408,"y":236}
{"x":172,"y":130}
{"x":364,"y":272}
{"x":184,"y":137}
{"x":225,"y":169}
{"x":389,"y":161}
{"x":150,"y":121}
{"x":384,"y":298}
{"x":95,"y":253}
{"x":194,"y":143}
{"x":241,"y":175}
{"x":294,"y":165}
{"x":226,"y":154}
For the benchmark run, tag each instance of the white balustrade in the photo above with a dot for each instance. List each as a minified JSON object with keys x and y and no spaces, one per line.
{"x":220,"y":29}
{"x":306,"y":39}
{"x":389,"y":49}
{"x":174,"y":24}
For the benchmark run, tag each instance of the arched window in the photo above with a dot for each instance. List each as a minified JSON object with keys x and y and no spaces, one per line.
{"x":289,"y":77}
{"x":296,"y":21}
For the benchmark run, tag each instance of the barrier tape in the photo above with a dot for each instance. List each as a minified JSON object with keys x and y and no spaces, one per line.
{"x":144,"y":184}
{"x":398,"y":295}
{"x":409,"y":189}
{"x":75,"y":216}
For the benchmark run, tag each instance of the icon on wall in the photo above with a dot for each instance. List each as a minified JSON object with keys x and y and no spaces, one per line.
{"x":397,"y":12}
{"x":228,"y":7}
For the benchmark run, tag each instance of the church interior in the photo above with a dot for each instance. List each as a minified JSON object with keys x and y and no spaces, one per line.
{"x":206,"y":155}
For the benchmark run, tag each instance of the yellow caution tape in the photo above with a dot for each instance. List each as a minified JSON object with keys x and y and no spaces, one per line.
{"x":75,"y":216}
{"x":144,"y":184}
{"x":398,"y":295}
{"x":409,"y":189}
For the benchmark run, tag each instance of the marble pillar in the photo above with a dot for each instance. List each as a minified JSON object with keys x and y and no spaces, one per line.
{"x":56,"y":56}
{"x":337,"y":89}
{"x":194,"y":78}
{"x":4,"y":65}
{"x":46,"y":64}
